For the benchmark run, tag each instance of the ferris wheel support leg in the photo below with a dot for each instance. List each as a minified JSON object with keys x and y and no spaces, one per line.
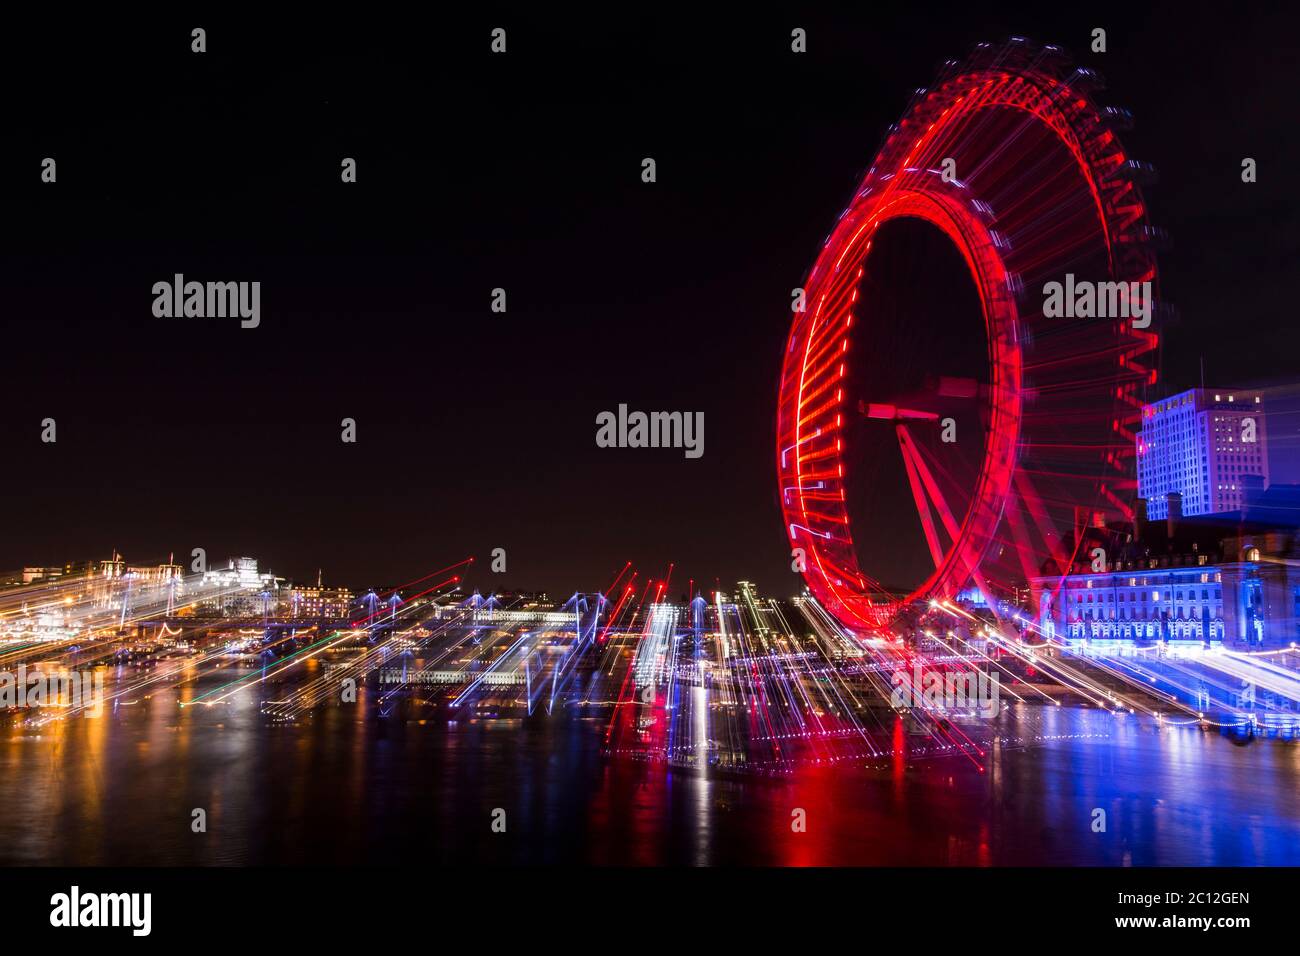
{"x":918,"y":494}
{"x":912,"y":457}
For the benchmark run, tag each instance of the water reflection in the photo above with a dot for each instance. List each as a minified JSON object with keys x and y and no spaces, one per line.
{"x":344,"y":788}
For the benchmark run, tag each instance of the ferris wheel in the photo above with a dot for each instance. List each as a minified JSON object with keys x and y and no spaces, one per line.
{"x":1009,"y":434}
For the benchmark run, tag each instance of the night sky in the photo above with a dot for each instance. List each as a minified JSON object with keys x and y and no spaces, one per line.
{"x":476,"y":430}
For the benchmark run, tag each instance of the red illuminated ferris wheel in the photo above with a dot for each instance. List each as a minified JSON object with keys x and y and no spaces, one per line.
{"x":1009,"y":161}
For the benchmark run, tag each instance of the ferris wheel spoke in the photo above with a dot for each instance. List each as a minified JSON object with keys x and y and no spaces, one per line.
{"x":918,"y":495}
{"x":931,"y":486}
{"x":1035,"y":505}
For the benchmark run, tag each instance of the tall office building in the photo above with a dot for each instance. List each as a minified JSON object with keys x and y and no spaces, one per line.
{"x":1201,"y":443}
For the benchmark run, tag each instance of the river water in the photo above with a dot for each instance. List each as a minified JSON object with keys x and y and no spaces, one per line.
{"x":349,"y":787}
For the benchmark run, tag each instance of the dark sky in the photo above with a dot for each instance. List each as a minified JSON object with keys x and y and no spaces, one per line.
{"x":476,"y":430}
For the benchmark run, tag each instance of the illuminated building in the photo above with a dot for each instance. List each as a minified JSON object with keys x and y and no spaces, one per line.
{"x":1233,"y":578}
{"x":238,"y":585}
{"x":1201,"y":444}
{"x":242,"y":574}
{"x":41,"y":575}
{"x":319,"y":603}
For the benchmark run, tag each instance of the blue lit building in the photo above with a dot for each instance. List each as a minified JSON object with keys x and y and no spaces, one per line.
{"x":1232,"y":578}
{"x":1202,"y":444}
{"x":1161,"y":603}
